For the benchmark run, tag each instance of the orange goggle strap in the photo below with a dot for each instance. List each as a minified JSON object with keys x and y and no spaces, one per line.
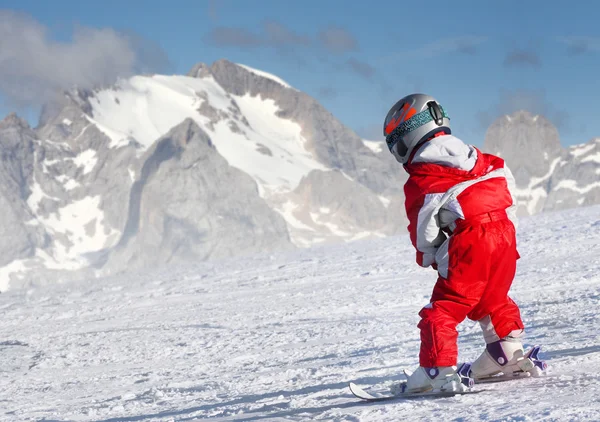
{"x":411,"y":124}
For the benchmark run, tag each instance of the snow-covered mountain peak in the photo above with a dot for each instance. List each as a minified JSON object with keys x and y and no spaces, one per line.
{"x":265,"y":75}
{"x":120,"y":177}
{"x":246,"y":130}
{"x":164,"y":169}
{"x":548,"y":176}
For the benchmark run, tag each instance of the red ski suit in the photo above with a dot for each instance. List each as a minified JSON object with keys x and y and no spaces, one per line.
{"x":461,"y":212}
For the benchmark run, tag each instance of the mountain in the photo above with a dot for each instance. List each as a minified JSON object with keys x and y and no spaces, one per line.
{"x":226,"y":160}
{"x":278,"y":337}
{"x":549,"y":177}
{"x":160,"y":170}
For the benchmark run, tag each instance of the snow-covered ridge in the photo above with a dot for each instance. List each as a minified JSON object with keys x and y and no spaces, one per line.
{"x":265,"y":146}
{"x":266,"y":75}
{"x":375,"y":146}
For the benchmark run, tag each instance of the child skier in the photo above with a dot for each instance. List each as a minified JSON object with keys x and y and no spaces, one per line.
{"x":461,"y":213}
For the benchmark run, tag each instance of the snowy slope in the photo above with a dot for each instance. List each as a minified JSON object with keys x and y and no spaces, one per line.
{"x":278,"y":337}
{"x":265,"y":146}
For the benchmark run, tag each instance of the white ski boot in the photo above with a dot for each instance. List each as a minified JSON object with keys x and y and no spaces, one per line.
{"x":442,"y":378}
{"x":506,"y":357}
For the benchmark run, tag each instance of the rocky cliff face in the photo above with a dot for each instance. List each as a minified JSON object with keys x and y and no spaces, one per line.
{"x":162,"y":170}
{"x":548,"y":176}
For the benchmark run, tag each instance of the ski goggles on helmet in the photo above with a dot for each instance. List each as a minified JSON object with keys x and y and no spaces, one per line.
{"x":433,"y":113}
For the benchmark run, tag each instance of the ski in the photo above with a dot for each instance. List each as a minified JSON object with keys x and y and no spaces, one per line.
{"x":531,"y":364}
{"x":464,"y":380}
{"x":373,"y":396}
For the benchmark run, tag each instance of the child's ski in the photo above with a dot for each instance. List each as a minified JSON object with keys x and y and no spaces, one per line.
{"x":366,"y":394}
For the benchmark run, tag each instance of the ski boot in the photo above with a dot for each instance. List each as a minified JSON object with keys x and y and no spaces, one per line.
{"x":506,"y":359}
{"x":442,"y":378}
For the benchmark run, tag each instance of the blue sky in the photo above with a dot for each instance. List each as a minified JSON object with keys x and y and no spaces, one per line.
{"x":478,"y":58}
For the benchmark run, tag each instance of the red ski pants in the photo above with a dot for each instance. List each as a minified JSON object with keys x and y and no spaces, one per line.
{"x":482,"y":257}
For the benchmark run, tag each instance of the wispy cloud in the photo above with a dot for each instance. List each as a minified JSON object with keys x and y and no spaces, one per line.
{"x":465,"y":44}
{"x":33,"y":67}
{"x":522,"y":58}
{"x":280,"y":35}
{"x":337,"y":40}
{"x":361,"y":68}
{"x":273,"y":34}
{"x":581,"y":44}
{"x":327,"y":92}
{"x":234,"y":37}
{"x":328,"y":47}
{"x":277,"y":35}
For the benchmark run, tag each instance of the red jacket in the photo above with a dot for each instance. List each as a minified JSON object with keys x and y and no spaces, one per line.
{"x":449,"y":180}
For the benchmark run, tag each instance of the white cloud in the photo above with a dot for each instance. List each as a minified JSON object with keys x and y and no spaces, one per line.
{"x":33,"y":66}
{"x":466,"y":44}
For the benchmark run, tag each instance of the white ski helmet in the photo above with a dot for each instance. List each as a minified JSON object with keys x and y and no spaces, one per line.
{"x":412,"y":120}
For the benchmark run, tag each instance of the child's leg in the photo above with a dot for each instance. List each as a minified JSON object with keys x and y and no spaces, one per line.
{"x":497,"y":313}
{"x":481,"y":267}
{"x":455,"y":296}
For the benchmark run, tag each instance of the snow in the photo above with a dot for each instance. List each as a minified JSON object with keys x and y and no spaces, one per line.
{"x":346,"y":176}
{"x":289,"y":161}
{"x":533,"y":195}
{"x":36,"y":196}
{"x":582,"y":149}
{"x":80,"y":226}
{"x":271,"y":149}
{"x":375,"y":146}
{"x":87,"y":159}
{"x":15,"y":267}
{"x":572,"y":185}
{"x":594,"y":158}
{"x":71,"y":184}
{"x":149,"y":107}
{"x":67,"y":122}
{"x":278,"y":337}
{"x":385,"y":201}
{"x":48,"y":163}
{"x":265,"y":75}
{"x":72,"y":220}
{"x":301,"y":234}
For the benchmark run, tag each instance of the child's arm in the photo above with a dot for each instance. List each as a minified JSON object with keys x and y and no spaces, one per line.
{"x":425,"y":233}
